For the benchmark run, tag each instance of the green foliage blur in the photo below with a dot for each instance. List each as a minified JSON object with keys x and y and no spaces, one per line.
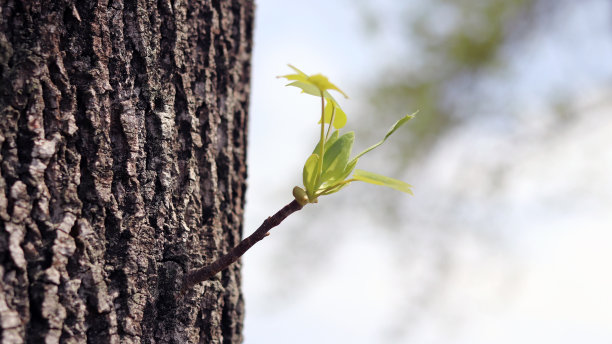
{"x":456,"y":43}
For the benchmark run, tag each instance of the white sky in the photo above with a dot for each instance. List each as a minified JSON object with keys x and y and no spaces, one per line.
{"x":550,"y":280}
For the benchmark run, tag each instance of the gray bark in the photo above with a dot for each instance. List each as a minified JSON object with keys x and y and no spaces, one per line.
{"x":123,"y":165}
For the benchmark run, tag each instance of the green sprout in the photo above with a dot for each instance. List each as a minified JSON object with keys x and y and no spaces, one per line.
{"x":328,"y":169}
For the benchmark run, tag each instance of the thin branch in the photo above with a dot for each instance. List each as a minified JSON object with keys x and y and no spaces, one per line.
{"x":205,"y":273}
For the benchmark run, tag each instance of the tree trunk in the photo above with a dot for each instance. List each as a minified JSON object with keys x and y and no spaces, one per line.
{"x":123,"y":152}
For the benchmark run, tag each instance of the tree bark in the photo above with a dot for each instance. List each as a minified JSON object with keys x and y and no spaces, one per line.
{"x":123,"y":165}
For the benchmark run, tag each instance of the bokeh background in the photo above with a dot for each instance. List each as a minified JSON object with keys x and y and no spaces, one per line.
{"x":508,"y":238}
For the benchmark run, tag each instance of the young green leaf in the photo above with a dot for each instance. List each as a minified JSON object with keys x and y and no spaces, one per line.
{"x":328,"y":169}
{"x":395,"y":126}
{"x":377,"y":179}
{"x":328,"y":143}
{"x":313,"y":90}
{"x":338,"y":183}
{"x":318,"y":80}
{"x":297,"y":70}
{"x":335,"y":188}
{"x":336,"y":158}
{"x":314,"y":85}
{"x":306,"y":88}
{"x":339,"y":115}
{"x":347,"y":170}
{"x":309,"y":174}
{"x":323,"y":83}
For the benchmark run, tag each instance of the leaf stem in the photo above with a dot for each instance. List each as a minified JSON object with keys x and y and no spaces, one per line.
{"x":199,"y":275}
{"x":331,"y":121}
{"x":322,"y":136}
{"x":322,"y":149}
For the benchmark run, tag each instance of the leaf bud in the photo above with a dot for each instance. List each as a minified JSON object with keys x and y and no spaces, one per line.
{"x":300,"y":195}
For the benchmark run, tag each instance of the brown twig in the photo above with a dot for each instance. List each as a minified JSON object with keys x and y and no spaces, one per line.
{"x":203,"y":274}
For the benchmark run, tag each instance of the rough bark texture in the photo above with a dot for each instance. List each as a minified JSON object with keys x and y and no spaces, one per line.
{"x":123,"y":149}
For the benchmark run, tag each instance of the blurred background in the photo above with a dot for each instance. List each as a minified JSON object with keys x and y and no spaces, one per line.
{"x":508,"y":238}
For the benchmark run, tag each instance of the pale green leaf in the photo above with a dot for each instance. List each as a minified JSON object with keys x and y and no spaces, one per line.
{"x":395,"y":126}
{"x":323,"y":83}
{"x":319,"y":80}
{"x":297,"y":70}
{"x":295,"y":77}
{"x":339,"y":115}
{"x":302,"y":80}
{"x":328,"y":143}
{"x":309,"y":174}
{"x":334,"y":189}
{"x":336,"y":158}
{"x":340,"y":182}
{"x":329,"y":98}
{"x":312,"y":85}
{"x":378,"y":179}
{"x":347,"y":170}
{"x":313,"y":90}
{"x":306,"y":88}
